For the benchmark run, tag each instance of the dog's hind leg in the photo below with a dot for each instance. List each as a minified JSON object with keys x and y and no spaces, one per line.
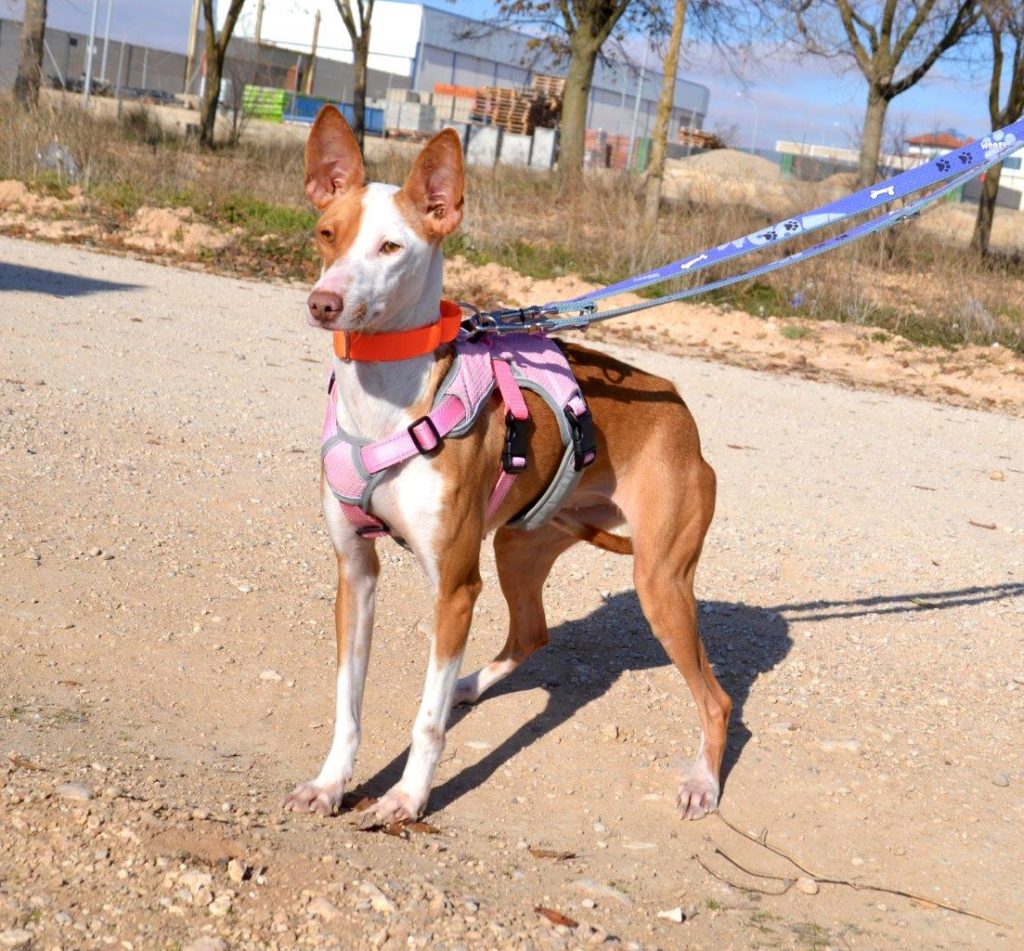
{"x":524,"y":560}
{"x":668,"y":528}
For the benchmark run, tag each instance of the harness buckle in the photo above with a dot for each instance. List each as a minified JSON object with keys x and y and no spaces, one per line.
{"x":584,"y":441}
{"x":515,"y":457}
{"x":421,"y":447}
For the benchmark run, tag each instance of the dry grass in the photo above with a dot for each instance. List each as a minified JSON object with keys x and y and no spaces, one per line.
{"x":909,"y":281}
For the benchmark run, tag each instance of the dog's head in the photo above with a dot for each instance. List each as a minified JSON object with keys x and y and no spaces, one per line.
{"x":380,"y":244}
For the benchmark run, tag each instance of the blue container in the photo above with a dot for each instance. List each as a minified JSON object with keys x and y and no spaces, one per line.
{"x":304,"y":109}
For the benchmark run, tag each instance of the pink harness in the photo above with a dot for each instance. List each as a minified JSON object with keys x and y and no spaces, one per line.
{"x":512,"y":363}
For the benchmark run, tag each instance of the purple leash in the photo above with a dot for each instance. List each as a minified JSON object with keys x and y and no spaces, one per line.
{"x":954,"y":169}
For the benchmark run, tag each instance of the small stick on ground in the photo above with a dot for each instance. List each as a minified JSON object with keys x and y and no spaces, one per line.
{"x":743,"y":888}
{"x":858,"y":886}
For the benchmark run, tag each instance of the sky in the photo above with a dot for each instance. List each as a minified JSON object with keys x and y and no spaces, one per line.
{"x":808,"y":100}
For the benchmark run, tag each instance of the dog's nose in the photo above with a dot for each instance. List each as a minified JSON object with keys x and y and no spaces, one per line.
{"x":325,"y":306}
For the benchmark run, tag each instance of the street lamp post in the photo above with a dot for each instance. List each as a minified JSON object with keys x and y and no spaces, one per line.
{"x":757,"y":114}
{"x":106,"y":41}
{"x":88,"y":52}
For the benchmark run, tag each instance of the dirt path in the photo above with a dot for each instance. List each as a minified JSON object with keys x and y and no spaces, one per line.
{"x":166,"y":650}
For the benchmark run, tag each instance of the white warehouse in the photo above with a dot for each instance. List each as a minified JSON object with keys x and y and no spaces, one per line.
{"x":422,"y":46}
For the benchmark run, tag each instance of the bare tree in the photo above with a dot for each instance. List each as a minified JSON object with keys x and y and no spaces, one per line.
{"x":573,"y":30}
{"x":358,"y":22}
{"x":216,"y":50}
{"x":1005,"y":22}
{"x":30,"y":64}
{"x":893,"y":43}
{"x":659,"y":143}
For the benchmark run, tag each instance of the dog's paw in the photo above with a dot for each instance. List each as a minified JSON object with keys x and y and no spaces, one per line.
{"x":698,"y":795}
{"x":467,"y":689}
{"x":315,"y":797}
{"x":395,"y":806}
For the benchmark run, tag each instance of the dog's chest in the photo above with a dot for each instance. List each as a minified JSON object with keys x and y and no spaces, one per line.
{"x":408,"y":498}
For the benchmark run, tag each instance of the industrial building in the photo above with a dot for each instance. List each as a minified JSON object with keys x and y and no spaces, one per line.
{"x":421,"y":46}
{"x":413,"y":46}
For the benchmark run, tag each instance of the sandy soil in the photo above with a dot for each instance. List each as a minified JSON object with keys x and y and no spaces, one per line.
{"x":986,"y":377}
{"x":165,"y":628}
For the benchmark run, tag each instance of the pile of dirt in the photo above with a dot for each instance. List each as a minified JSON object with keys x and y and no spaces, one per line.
{"x":174,"y":229}
{"x":15,"y":196}
{"x":730,"y":162}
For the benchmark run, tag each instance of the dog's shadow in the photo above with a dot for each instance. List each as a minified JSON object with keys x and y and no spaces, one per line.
{"x":586,"y":657}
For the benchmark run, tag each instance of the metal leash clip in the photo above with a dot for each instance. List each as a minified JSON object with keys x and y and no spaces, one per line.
{"x":534,"y":319}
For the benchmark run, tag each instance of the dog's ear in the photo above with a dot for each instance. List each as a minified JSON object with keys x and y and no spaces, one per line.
{"x":434,"y":188}
{"x":333,"y":162}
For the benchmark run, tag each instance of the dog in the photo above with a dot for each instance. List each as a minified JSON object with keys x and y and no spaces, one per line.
{"x":381,"y":278}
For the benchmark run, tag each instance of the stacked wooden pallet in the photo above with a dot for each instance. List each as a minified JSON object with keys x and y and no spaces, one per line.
{"x":700,"y":139}
{"x":521,"y":111}
{"x":552,"y":86}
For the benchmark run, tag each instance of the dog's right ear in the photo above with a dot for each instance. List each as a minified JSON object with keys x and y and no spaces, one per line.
{"x":333,"y":162}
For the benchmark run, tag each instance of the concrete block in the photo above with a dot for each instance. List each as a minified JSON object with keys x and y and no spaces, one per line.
{"x":543,"y":154}
{"x":484,"y":145}
{"x":515,"y":149}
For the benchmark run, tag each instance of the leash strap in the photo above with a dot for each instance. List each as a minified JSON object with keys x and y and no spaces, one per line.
{"x":955,"y":168}
{"x":831,"y":244}
{"x":978,"y":156}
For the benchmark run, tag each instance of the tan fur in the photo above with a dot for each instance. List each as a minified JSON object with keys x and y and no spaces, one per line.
{"x":334,"y":163}
{"x":338,"y":226}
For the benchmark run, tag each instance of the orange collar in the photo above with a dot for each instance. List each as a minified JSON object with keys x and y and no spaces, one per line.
{"x":376,"y":348}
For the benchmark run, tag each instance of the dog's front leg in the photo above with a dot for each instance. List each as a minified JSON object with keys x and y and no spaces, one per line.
{"x":453,"y":614}
{"x":358,"y":568}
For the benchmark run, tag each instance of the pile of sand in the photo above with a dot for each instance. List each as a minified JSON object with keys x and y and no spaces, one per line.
{"x":15,"y":196}
{"x":729,"y":162}
{"x":174,"y":229}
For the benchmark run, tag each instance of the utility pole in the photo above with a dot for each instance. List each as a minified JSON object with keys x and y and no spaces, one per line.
{"x":106,"y":41}
{"x":636,"y":109}
{"x":307,"y":82}
{"x":259,"y":23}
{"x":88,"y":52}
{"x":193,"y":42}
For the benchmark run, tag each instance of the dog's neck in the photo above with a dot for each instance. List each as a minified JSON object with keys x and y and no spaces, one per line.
{"x":373,"y":398}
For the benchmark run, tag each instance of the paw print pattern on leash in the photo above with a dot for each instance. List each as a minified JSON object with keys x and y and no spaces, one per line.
{"x":965,"y":158}
{"x":943,"y":165}
{"x":997,"y":143}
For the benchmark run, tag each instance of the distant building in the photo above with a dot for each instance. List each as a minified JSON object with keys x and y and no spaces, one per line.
{"x":413,"y":46}
{"x":420,"y":46}
{"x":935,"y":143}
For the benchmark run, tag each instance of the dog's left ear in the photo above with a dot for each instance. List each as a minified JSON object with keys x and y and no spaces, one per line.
{"x":434,"y":188}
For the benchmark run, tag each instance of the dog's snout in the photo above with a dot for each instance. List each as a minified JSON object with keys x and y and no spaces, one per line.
{"x":325,"y":306}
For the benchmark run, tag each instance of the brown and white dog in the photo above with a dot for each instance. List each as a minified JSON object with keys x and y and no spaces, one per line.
{"x":382,"y":272}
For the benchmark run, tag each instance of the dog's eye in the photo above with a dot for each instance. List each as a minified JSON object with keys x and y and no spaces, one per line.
{"x":389,"y":247}
{"x":326,"y":235}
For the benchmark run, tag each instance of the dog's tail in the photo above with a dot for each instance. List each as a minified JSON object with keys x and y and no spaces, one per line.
{"x":607,"y":541}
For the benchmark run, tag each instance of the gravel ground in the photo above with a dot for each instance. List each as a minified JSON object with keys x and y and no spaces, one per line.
{"x":165,"y":628}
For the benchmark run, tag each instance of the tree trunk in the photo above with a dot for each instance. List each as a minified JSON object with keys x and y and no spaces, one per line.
{"x":871,"y":138}
{"x":211,"y":93}
{"x":659,"y":143}
{"x":986,"y":211}
{"x":30,"y":64}
{"x":361,"y":52}
{"x":573,"y":127}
